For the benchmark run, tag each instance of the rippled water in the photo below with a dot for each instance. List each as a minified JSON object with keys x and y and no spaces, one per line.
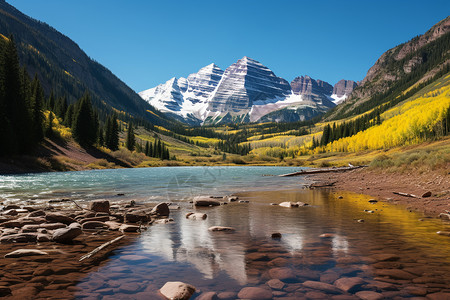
{"x":146,"y":184}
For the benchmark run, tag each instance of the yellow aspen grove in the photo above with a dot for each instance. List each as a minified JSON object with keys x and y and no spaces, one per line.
{"x":411,"y":123}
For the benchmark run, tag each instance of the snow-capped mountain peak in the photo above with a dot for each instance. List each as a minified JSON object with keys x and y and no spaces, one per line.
{"x":247,"y":91}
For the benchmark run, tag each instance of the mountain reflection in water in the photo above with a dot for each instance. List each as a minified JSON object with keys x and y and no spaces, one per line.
{"x":216,"y":261}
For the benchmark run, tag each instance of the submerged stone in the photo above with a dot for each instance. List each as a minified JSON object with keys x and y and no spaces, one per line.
{"x":255,"y":293}
{"x":177,"y":290}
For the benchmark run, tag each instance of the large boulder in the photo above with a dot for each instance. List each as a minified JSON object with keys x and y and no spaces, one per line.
{"x":99,"y":206}
{"x":177,"y":290}
{"x":205,"y":201}
{"x":66,"y":235}
{"x":161,"y":210}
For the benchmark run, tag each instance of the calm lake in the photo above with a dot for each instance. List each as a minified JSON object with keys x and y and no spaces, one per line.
{"x":388,"y":252}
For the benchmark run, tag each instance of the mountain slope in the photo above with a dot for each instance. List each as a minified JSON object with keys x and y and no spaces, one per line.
{"x":399,"y":70}
{"x":64,"y":68}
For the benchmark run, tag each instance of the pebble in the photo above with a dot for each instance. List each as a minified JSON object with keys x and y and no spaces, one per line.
{"x":426,"y":194}
{"x":276,"y":235}
{"x":221,"y":228}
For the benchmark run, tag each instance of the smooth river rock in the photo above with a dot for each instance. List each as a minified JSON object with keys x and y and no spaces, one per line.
{"x":349,"y":284}
{"x":25,"y":252}
{"x":321,"y":286}
{"x":66,"y":235}
{"x":205,"y":201}
{"x":196,"y":216}
{"x":221,"y":228}
{"x":162,"y":210}
{"x":395,"y":274}
{"x":59,"y":218}
{"x":283,"y":274}
{"x":177,"y":290}
{"x":255,"y":293}
{"x":369,"y":295}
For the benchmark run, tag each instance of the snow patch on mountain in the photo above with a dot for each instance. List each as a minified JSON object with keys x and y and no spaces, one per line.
{"x":338,"y":99}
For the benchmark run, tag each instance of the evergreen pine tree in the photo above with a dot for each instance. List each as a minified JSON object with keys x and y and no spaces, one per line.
{"x":131,"y":140}
{"x":68,"y":117}
{"x":101,"y":140}
{"x":17,"y":107}
{"x":38,"y":118}
{"x":51,"y":102}
{"x":84,"y":126}
{"x":49,"y":127}
{"x":114,"y":134}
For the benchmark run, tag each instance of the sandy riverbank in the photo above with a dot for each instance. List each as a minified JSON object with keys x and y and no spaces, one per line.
{"x":381,"y":185}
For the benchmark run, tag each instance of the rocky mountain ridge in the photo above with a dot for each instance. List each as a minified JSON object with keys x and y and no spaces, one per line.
{"x":416,"y":60}
{"x":246,"y":91}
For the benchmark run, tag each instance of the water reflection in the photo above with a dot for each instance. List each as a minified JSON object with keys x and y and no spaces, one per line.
{"x":187,"y":251}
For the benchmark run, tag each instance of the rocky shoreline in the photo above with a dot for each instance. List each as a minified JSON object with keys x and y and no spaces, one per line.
{"x":428,"y":193}
{"x":49,"y":251}
{"x":46,"y":250}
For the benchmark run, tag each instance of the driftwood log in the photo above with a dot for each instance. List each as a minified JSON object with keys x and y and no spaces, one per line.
{"x":100,"y":248}
{"x":325,"y":170}
{"x":406,"y":195}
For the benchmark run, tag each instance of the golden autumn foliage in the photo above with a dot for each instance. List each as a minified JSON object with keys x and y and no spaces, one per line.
{"x":411,"y":123}
{"x":61,"y":130}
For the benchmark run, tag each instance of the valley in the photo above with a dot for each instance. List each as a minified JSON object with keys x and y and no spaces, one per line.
{"x":187,"y":174}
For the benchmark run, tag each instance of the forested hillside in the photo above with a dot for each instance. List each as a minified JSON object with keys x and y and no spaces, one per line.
{"x":64,"y":69}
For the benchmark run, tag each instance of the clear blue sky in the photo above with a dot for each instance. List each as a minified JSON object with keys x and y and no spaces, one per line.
{"x":147,"y":42}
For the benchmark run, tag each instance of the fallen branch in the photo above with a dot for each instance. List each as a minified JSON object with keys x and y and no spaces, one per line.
{"x":406,"y":195}
{"x":82,"y":208}
{"x":101,"y":247}
{"x":326,"y":170}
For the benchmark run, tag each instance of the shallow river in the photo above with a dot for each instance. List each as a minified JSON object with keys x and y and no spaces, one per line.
{"x":389,"y":252}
